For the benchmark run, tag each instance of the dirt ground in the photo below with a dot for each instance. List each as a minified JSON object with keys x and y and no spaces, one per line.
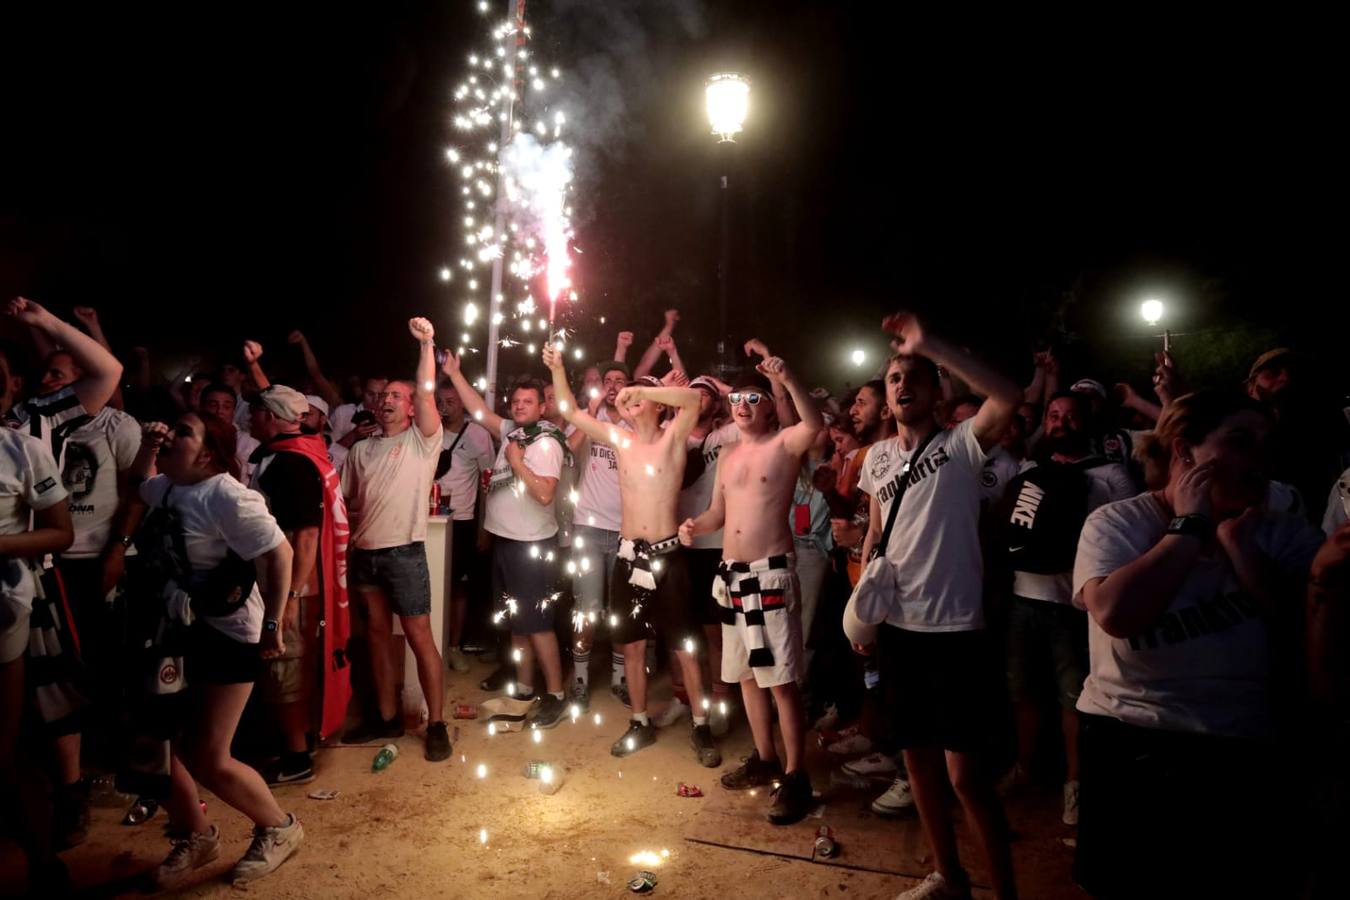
{"x":415,"y":829}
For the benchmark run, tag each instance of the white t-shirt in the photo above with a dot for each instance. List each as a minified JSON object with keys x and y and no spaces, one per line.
{"x":244,"y":445}
{"x":337,"y":454}
{"x":50,"y":418}
{"x":96,"y":453}
{"x":472,"y":454}
{"x":999,"y":469}
{"x":340,"y":422}
{"x":29,"y":482}
{"x":387,"y":483}
{"x":1106,"y":484}
{"x":1338,"y":504}
{"x":935,"y":544}
{"x":219,"y":515}
{"x":564,"y":508}
{"x":1206,"y":665}
{"x":598,"y":482}
{"x":694,"y":499}
{"x":511,"y":512}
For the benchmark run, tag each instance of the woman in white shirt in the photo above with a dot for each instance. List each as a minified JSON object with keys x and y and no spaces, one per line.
{"x":1186,"y":587}
{"x":220,"y":526}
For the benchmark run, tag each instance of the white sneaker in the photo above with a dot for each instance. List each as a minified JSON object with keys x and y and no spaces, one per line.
{"x":877,"y":764}
{"x":851,"y":745}
{"x":1071,"y":803}
{"x":457,"y":660}
{"x":671,"y":714}
{"x":895,"y":801}
{"x":187,"y":856}
{"x":935,"y":887}
{"x":270,"y":848}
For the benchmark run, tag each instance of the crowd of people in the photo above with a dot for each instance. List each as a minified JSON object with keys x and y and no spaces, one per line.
{"x":921,"y":571}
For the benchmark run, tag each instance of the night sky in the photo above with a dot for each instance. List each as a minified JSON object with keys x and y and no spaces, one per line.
{"x":206,"y":173}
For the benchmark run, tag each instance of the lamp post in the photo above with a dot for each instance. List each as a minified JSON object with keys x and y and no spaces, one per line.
{"x":1152,"y":310}
{"x":728,"y":101}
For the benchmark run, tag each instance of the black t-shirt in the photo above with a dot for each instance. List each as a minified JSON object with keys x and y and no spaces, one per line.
{"x":293,"y":490}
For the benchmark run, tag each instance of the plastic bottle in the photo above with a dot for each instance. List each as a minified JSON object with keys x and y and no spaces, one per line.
{"x":388,"y":753}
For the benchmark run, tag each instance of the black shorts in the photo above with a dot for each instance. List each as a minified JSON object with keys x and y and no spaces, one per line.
{"x":464,"y":557}
{"x":213,"y":657}
{"x":637,"y":614}
{"x":944,"y":688}
{"x":1169,"y":814}
{"x":702,"y":570}
{"x":525,"y":584}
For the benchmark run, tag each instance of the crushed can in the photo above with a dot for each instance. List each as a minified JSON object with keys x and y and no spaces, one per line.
{"x":141,"y":811}
{"x":826,"y":847}
{"x":688,"y":790}
{"x":466,"y":711}
{"x":643,"y":882}
{"x":534,"y":767}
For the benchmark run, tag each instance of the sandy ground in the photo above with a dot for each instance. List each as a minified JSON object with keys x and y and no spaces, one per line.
{"x":414,"y":830}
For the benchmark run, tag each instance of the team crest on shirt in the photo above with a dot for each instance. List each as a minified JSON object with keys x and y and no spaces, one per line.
{"x":1112,"y":445}
{"x":881,"y":464}
{"x":989,"y":478}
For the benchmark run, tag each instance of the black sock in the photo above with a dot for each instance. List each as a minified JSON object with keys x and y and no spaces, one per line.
{"x":296,"y":759}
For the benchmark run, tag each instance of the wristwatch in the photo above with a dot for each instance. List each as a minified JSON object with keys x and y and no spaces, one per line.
{"x":1191,"y":526}
{"x":270,"y":625}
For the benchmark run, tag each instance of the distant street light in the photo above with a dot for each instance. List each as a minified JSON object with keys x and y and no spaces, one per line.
{"x":1152,"y":311}
{"x":859,"y":357}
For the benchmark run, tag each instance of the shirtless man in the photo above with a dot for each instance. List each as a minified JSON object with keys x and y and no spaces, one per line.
{"x":650,"y":585}
{"x":756,"y":586}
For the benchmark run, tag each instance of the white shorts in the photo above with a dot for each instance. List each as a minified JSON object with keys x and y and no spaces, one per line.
{"x":779,"y":598}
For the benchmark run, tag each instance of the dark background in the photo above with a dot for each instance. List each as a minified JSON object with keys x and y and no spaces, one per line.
{"x":205,"y":173}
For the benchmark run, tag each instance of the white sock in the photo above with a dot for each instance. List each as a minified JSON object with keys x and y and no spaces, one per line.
{"x":616,"y":669}
{"x":642,"y":718}
{"x":581,"y":661}
{"x":524,"y":690}
{"x":558,"y":695}
{"x":700,"y":720}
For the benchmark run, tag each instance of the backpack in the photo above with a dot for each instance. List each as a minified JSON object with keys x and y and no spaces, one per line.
{"x":1045,"y":508}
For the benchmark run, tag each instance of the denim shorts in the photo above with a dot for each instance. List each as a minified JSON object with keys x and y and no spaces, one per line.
{"x":400,"y":573}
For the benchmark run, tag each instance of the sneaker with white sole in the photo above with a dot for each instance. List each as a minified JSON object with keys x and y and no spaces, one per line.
{"x":935,"y":887}
{"x":1070,"y":816}
{"x":875,"y":765}
{"x":895,"y":801}
{"x":189,"y":854}
{"x":671,"y":714}
{"x":851,"y":745}
{"x":270,"y":848}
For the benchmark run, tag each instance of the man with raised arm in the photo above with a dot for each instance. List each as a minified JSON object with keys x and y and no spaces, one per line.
{"x":649,"y":590}
{"x":757,"y":586}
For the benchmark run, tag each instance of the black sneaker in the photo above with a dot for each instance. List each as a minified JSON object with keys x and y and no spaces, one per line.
{"x":791,"y":799}
{"x":70,"y":812}
{"x":753,"y":772}
{"x":548,"y":712}
{"x":498,"y":679}
{"x":702,"y":742}
{"x":294,"y":768}
{"x":369,"y":732}
{"x":634,"y":739}
{"x":620,"y":691}
{"x":438,"y":742}
{"x":580,"y":696}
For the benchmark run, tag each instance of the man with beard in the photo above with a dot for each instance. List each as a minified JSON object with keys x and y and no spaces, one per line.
{"x":1049,"y":504}
{"x":1308,"y":445}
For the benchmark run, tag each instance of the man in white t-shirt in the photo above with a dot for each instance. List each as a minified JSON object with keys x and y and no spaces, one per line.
{"x":387,"y":483}
{"x":219,"y":402}
{"x":595,"y":537}
{"x":1044,"y":630}
{"x":349,"y":426}
{"x":705,"y":445}
{"x":942,"y":666}
{"x":521,"y":519}
{"x":467,"y":454}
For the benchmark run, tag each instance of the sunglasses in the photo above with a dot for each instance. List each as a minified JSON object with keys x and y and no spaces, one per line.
{"x":751,"y":397}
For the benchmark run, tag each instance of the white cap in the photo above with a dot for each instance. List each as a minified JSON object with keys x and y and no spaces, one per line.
{"x":318,"y":403}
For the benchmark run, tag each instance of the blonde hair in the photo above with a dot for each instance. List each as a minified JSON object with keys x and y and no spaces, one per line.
{"x":1191,"y":417}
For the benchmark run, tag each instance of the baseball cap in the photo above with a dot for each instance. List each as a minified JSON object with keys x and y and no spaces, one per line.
{"x":287,"y":404}
{"x":1089,"y":386}
{"x":615,"y":365}
{"x":317,"y":402}
{"x":1269,"y":358}
{"x":707,"y":384}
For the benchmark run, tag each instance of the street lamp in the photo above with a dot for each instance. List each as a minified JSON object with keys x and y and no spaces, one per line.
{"x":859,"y":357}
{"x":1152,"y":311}
{"x":728,"y":101}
